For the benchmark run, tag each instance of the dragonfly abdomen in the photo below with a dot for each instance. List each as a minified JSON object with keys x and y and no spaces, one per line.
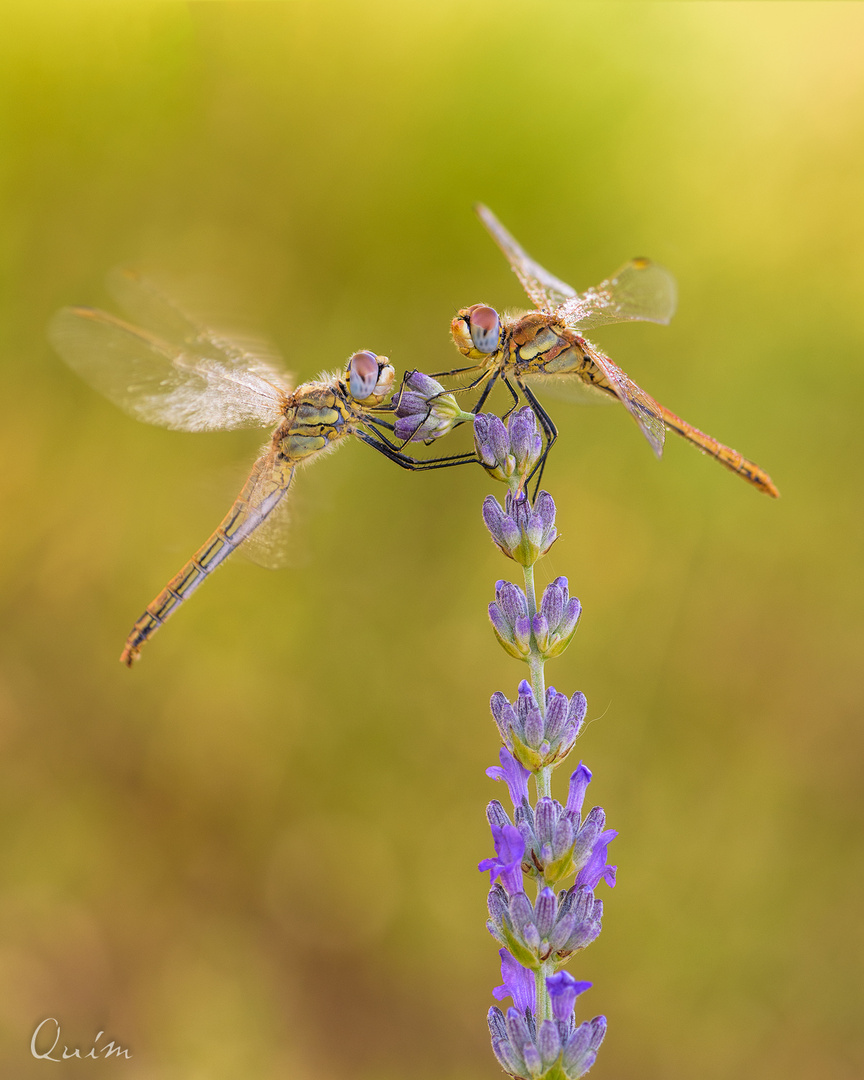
{"x":261,"y":494}
{"x":733,"y":461}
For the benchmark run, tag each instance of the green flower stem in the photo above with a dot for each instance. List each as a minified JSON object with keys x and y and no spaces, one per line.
{"x":542,"y":778}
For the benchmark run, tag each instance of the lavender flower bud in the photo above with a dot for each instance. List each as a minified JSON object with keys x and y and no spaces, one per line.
{"x":509,"y":617}
{"x":493,"y":446}
{"x":555,"y":623}
{"x":580,"y":1053}
{"x":425,"y":410}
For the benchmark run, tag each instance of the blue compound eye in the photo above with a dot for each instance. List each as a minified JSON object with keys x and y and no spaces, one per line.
{"x":362,"y":374}
{"x":485,"y":327}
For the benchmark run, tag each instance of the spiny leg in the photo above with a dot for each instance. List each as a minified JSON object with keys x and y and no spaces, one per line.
{"x":383,"y":446}
{"x":549,"y":430}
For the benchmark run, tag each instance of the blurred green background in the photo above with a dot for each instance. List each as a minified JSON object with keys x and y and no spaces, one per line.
{"x":255,"y":854}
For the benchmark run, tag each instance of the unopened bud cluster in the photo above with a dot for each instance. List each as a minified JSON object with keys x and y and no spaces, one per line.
{"x":545,"y":844}
{"x":551,"y":629}
{"x":508,"y":452}
{"x":425,"y":410}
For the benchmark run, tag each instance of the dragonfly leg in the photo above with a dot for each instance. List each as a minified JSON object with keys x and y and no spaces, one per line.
{"x":509,"y":386}
{"x":394,"y":453}
{"x":456,"y":390}
{"x":547,"y":425}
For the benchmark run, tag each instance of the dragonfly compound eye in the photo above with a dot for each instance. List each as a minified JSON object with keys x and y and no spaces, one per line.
{"x":485,"y":327}
{"x":362,"y":374}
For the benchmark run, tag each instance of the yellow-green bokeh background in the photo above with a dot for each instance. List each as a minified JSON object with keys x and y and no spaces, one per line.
{"x":254,"y":855}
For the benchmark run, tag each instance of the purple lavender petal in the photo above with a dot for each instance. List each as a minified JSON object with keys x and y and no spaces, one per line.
{"x":563,"y":990}
{"x":596,"y":868}
{"x":518,"y":983}
{"x":507,"y":864}
{"x":579,"y":782}
{"x":512,"y":772}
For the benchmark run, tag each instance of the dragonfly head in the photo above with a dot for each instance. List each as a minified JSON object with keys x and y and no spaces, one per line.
{"x":369,"y":377}
{"x":476,"y":331}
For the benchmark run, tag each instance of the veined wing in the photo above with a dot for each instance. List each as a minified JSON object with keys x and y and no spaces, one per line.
{"x":546,"y":291}
{"x":177,"y":386}
{"x":647,"y":413}
{"x":641,"y":291}
{"x":149,"y":306}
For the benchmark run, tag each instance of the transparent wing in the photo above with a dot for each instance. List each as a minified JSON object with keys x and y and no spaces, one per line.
{"x":155,"y":380}
{"x":641,"y":291}
{"x":647,"y":413}
{"x":265,"y":502}
{"x":150,"y":306}
{"x":270,"y":544}
{"x":283,"y":539}
{"x":546,"y":291}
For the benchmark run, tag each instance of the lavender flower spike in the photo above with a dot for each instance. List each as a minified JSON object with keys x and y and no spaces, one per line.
{"x":546,"y":844}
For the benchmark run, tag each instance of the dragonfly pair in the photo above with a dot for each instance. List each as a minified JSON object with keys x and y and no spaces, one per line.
{"x":182,"y":375}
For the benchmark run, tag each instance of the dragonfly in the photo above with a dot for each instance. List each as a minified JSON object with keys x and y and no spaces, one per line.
{"x":186,"y":376}
{"x":549,"y":343}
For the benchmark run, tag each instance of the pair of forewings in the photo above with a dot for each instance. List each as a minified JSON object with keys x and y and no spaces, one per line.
{"x":184,"y":375}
